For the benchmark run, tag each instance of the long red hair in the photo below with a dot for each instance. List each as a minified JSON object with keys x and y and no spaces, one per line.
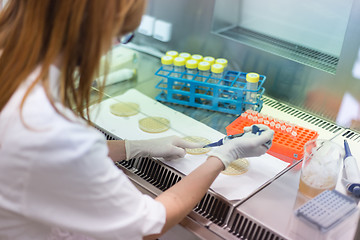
{"x":37,"y":32}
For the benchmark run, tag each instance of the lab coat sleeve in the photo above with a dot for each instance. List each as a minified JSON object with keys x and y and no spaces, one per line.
{"x":75,"y":186}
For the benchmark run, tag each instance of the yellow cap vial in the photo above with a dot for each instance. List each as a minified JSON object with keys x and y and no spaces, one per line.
{"x":204,"y":66}
{"x":209,"y":59}
{"x":167,"y":60}
{"x":172,"y":53}
{"x":197,"y":57}
{"x":191,"y":64}
{"x":179,"y":61}
{"x":222,"y":61}
{"x":185,"y":55}
{"x":252,"y":77}
{"x":217,"y":68}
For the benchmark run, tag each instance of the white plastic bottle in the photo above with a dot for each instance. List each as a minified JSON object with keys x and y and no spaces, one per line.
{"x":252,"y":80}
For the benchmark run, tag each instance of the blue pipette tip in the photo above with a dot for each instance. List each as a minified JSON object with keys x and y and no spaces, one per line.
{"x":347,"y":149}
{"x":215,"y":144}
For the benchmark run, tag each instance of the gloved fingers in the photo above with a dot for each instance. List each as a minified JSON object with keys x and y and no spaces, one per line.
{"x":247,"y":129}
{"x":176,"y":152}
{"x":255,"y":140}
{"x":262,"y":149}
{"x":179,"y":142}
{"x":260,"y":126}
{"x":265,"y":139}
{"x":266,"y":136}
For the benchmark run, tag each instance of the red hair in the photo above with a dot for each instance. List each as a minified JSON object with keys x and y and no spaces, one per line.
{"x":37,"y":32}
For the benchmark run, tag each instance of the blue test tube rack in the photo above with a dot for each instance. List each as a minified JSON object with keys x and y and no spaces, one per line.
{"x":225,"y":94}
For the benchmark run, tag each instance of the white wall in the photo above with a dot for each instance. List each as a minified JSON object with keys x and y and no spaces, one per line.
{"x":318,"y":24}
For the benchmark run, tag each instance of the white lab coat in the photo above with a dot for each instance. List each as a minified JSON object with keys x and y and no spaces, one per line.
{"x":57,"y":182}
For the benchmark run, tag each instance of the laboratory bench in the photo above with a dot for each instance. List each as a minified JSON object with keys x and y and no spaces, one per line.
{"x":267,"y":212}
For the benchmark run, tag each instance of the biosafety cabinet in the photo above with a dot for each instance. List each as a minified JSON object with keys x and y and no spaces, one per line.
{"x":309,"y":53}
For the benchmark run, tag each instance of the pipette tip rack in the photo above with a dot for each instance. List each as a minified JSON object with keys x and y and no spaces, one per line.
{"x":289,"y":139}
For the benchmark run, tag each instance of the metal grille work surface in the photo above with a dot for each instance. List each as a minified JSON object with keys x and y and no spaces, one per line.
{"x":349,"y":134}
{"x":321,"y":123}
{"x":243,"y":227}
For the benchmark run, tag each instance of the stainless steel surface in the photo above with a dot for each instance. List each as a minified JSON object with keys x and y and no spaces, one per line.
{"x":274,"y":207}
{"x":309,"y":88}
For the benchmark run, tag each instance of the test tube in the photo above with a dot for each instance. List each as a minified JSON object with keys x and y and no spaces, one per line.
{"x":179,"y":66}
{"x":172,"y":53}
{"x":209,"y":59}
{"x":167,"y":66}
{"x":179,"y":69}
{"x":272,"y":124}
{"x":167,"y":63}
{"x":260,"y":120}
{"x":223,"y":62}
{"x":278,"y":126}
{"x":197,"y":57}
{"x":217,"y":71}
{"x":191,"y":68}
{"x":204,"y":70}
{"x":252,"y":80}
{"x":185,"y":55}
{"x":291,"y":129}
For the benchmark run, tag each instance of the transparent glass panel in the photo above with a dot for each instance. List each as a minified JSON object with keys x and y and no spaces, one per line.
{"x":307,"y":31}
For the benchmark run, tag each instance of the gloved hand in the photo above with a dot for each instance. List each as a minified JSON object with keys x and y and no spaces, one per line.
{"x":167,"y":147}
{"x":248,"y":145}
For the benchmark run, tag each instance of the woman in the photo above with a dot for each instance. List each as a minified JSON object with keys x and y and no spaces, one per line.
{"x":57,"y":176}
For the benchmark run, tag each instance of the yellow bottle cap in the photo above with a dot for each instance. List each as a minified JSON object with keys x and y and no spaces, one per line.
{"x":210,"y":60}
{"x":166,"y":60}
{"x":222,"y":61}
{"x":252,"y":77}
{"x":197,"y":57}
{"x":172,"y":53}
{"x":217,"y":68}
{"x":185,"y":55}
{"x":204,"y":66}
{"x":191,"y":64}
{"x":179,"y":61}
